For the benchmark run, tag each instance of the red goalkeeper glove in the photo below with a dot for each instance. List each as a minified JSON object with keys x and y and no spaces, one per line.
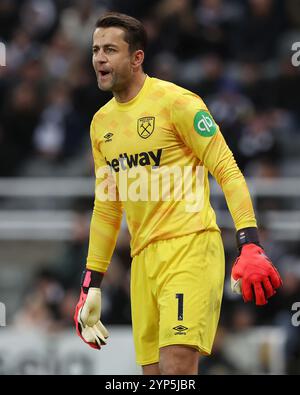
{"x":88,"y":310}
{"x":253,"y":274}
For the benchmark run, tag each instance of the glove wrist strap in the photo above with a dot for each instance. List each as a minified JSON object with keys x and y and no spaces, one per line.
{"x":91,"y":279}
{"x":246,"y":236}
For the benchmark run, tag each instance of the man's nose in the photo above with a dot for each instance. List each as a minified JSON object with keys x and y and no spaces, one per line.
{"x":100,"y":57}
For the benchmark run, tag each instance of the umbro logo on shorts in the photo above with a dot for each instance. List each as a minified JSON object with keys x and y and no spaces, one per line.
{"x":180,"y":330}
{"x":108,"y":137}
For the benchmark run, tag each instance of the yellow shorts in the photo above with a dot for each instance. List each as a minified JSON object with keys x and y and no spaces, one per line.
{"x":176,"y":294}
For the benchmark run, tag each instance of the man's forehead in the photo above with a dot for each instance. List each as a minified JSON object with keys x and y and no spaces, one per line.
{"x":111,"y":35}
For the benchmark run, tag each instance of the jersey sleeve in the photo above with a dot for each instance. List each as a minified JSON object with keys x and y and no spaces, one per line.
{"x":106,"y":217}
{"x":198,"y":130}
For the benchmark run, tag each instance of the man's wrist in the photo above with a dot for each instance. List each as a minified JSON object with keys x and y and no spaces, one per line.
{"x":91,"y":279}
{"x":247,"y":236}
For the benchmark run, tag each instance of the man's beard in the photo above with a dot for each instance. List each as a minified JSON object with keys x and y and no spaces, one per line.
{"x":106,"y":85}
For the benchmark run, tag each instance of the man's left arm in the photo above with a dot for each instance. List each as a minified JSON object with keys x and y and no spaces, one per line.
{"x":253,"y":274}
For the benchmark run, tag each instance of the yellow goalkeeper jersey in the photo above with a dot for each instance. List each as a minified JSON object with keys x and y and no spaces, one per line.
{"x":152,"y":157}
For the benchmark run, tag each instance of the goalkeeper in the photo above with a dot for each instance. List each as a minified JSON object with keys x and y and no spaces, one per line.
{"x":177,"y":271}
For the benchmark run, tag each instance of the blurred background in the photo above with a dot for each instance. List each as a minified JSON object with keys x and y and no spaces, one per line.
{"x":237,"y":55}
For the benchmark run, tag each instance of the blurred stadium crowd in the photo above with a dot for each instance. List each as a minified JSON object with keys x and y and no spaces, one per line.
{"x":235,"y":54}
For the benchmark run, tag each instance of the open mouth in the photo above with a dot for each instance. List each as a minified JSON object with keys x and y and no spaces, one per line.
{"x":104,"y":73}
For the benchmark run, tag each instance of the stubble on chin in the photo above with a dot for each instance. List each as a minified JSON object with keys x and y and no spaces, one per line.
{"x":104,"y":87}
{"x":108,"y":87}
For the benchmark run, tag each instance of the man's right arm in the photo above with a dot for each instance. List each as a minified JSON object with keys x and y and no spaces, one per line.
{"x":104,"y":230}
{"x":106,"y":218}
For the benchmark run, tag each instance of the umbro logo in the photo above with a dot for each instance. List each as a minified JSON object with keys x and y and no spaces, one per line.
{"x":108,"y":137}
{"x":180,"y":330}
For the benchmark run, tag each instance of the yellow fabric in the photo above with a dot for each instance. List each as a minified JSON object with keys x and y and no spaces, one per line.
{"x":191,"y":265}
{"x":157,"y":128}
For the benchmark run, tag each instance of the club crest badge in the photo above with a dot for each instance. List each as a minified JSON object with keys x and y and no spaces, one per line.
{"x":145,"y":126}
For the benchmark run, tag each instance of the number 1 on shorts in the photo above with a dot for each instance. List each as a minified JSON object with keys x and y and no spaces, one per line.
{"x":180,"y":306}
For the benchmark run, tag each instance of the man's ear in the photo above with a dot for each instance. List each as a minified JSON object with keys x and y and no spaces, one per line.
{"x":137,"y":58}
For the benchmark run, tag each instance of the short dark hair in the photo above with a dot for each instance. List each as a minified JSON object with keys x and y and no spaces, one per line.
{"x":135,"y":33}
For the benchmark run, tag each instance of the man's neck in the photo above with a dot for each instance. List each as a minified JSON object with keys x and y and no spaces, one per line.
{"x":132,"y":89}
